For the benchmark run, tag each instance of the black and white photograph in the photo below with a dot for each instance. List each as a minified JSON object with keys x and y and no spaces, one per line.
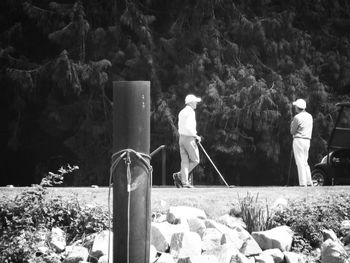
{"x":167,"y":131}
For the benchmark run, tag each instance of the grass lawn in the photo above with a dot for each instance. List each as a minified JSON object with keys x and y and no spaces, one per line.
{"x":215,"y":201}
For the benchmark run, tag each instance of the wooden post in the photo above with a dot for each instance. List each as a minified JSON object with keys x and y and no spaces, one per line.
{"x":164,"y":166}
{"x":131,"y":209}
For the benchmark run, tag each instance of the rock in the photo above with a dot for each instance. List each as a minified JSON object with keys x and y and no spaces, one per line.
{"x":229,"y":235}
{"x":333,"y":252}
{"x":192,"y":238}
{"x":177,"y":214}
{"x":223,"y":253}
{"x":291,"y":257}
{"x":100,"y":245}
{"x":210,"y":223}
{"x":240,"y":258}
{"x":165,"y":258}
{"x":182,"y":227}
{"x":251,"y":260}
{"x":347,"y":249}
{"x":279,"y":237}
{"x":275,"y":253}
{"x":58,"y":239}
{"x":231,"y":221}
{"x":104,"y":259}
{"x":185,"y":244}
{"x":161,"y":235}
{"x":249,"y":247}
{"x":264,"y":258}
{"x":88,"y":241}
{"x":211,"y":239}
{"x":153,"y":254}
{"x":329,"y":234}
{"x":196,"y":225}
{"x":238,"y":236}
{"x":76,"y":254}
{"x":199,"y":259}
{"x":159,"y":218}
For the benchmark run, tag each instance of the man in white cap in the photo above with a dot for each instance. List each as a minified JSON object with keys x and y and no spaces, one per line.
{"x":189,"y":152}
{"x":301,"y":129}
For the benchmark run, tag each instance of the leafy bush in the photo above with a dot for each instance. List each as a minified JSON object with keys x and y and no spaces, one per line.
{"x":32,"y":210}
{"x":308,"y":219}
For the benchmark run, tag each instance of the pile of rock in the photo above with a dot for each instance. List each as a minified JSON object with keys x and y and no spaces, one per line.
{"x":186,"y":235}
{"x":93,"y":248}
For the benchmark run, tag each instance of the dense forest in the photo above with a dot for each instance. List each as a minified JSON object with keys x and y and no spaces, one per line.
{"x":248,"y":60}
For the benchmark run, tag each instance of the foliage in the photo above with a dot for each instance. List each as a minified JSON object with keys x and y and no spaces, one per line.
{"x":247,"y":60}
{"x":54,"y":179}
{"x":25,"y":219}
{"x":31,"y":213}
{"x":308,"y":220}
{"x":254,"y":215}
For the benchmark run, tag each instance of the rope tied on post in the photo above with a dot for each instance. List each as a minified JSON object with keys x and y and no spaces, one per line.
{"x":126,"y":156}
{"x":116,"y":157}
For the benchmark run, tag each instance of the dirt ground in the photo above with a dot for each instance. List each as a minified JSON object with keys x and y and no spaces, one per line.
{"x":215,"y":201}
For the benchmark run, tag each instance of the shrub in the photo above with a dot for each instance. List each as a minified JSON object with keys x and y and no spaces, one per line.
{"x":254,"y":214}
{"x":308,"y":219}
{"x":21,"y":217}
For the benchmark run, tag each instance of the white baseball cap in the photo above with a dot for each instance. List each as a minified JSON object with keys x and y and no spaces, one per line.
{"x":191,"y":98}
{"x":300,"y":103}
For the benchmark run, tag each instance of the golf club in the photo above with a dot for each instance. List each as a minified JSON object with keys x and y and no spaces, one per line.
{"x":216,"y":169}
{"x":290,"y":165}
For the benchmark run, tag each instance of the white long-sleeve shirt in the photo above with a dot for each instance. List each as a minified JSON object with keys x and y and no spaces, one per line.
{"x":187,"y":121}
{"x":301,"y":126}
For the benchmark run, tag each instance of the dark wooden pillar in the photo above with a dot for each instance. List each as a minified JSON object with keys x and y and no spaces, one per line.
{"x":131,"y":198}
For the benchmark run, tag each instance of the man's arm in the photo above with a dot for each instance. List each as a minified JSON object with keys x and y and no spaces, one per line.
{"x":294,"y":126}
{"x":191,"y":124}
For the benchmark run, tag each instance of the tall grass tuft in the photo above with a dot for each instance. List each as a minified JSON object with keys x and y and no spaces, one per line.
{"x":256,"y":216}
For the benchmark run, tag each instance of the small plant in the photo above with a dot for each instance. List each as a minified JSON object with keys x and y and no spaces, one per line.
{"x":31,"y":210}
{"x":255,"y":216}
{"x":55,"y":179}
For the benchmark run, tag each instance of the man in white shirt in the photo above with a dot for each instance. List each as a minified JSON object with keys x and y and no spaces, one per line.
{"x":301,"y":129}
{"x":187,"y":142}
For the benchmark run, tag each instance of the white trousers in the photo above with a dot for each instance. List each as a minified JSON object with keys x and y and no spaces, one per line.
{"x":189,"y":156}
{"x":301,"y":154}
